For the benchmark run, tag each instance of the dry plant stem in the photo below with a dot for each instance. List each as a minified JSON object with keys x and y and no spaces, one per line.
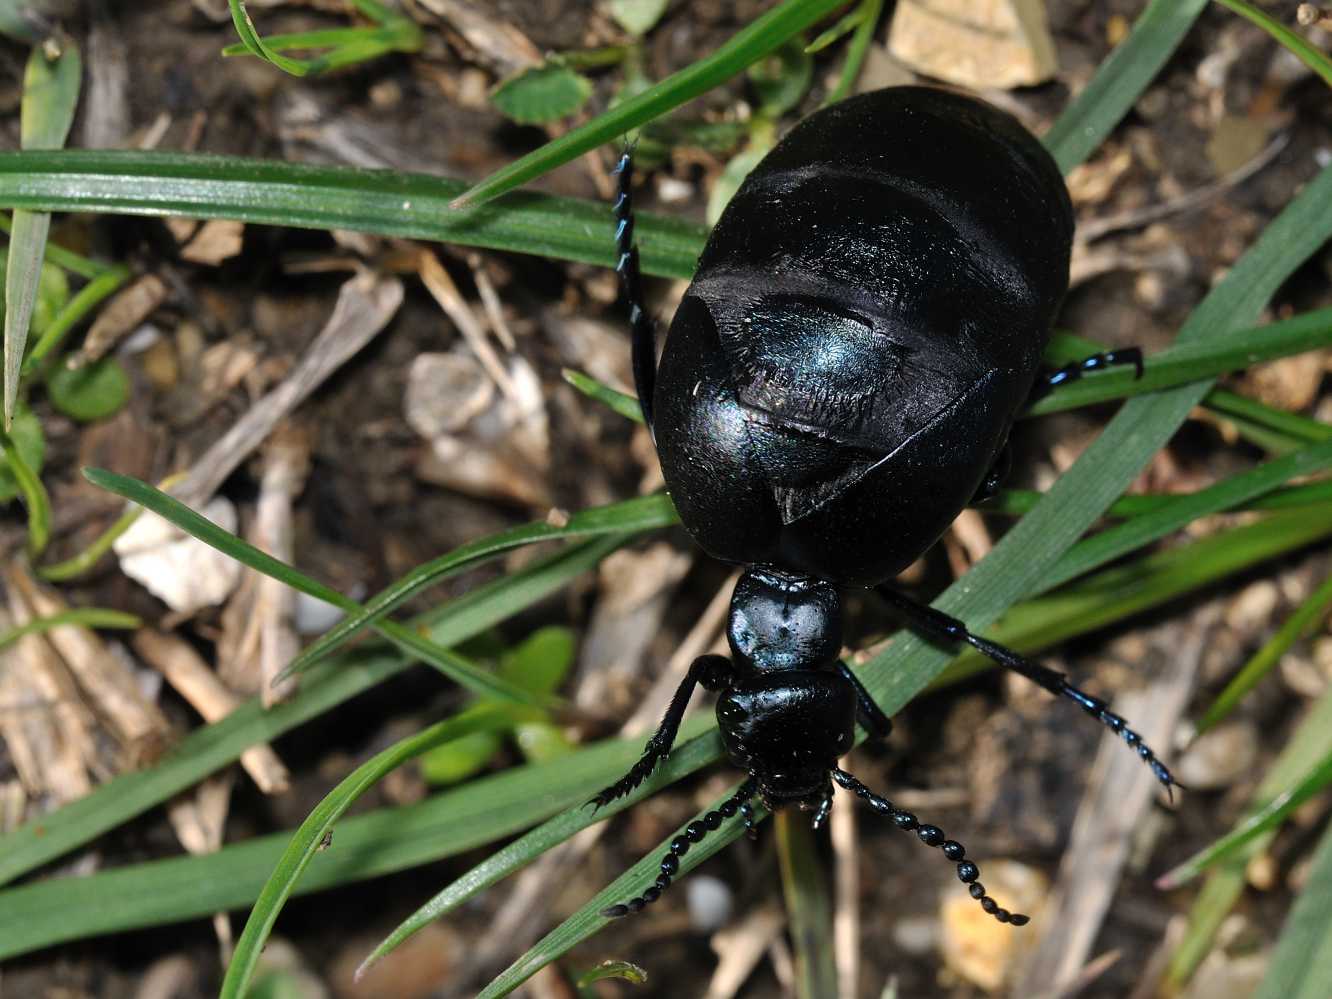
{"x":191,"y":677}
{"x":199,"y":820}
{"x":499,"y":45}
{"x":446,"y":293}
{"x":1119,"y":793}
{"x":46,"y":735}
{"x":365,"y":305}
{"x":105,"y":680}
{"x":1093,"y":229}
{"x":490,"y":301}
{"x":846,"y":911}
{"x":1086,"y":976}
{"x":739,"y":949}
{"x":120,"y":317}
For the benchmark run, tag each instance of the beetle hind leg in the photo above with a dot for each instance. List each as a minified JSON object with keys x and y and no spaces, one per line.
{"x":1048,"y":381}
{"x":641,"y":326}
{"x":938,"y":625}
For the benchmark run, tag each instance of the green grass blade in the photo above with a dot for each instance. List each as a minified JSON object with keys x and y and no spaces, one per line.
{"x":106,"y":283}
{"x":1296,"y":626}
{"x":1255,"y":824}
{"x":643,"y":513}
{"x":384,"y":202}
{"x":85,"y":617}
{"x":249,"y":37}
{"x":1120,"y":80}
{"x":619,"y":402}
{"x":1301,"y":965}
{"x":868,"y":14}
{"x":50,"y":94}
{"x":761,"y":37}
{"x":1016,"y":502}
{"x":1181,"y":511}
{"x":305,"y":843}
{"x":1298,"y":429}
{"x":209,"y":748}
{"x":479,"y":681}
{"x":1310,"y":743}
{"x":808,"y":906}
{"x":1191,"y":362}
{"x":54,"y":910}
{"x":1308,"y":54}
{"x":588,"y":919}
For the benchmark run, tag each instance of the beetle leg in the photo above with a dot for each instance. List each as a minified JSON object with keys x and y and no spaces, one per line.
{"x":967,"y":871}
{"x":824,"y":809}
{"x":869,"y":714}
{"x":939,"y":625}
{"x":692,"y":833}
{"x":641,"y":327}
{"x":994,"y":478}
{"x":715,"y":674}
{"x":1050,"y":380}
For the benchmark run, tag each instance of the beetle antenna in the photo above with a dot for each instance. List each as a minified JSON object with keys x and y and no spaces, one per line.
{"x":967,"y":871}
{"x":695,"y":831}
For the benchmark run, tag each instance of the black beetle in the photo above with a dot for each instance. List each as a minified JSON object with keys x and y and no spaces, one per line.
{"x":866,"y":321}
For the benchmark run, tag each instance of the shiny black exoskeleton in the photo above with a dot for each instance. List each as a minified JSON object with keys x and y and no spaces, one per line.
{"x":840,"y":380}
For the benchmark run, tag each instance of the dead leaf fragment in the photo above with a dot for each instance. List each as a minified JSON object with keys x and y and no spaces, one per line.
{"x":975,"y":43}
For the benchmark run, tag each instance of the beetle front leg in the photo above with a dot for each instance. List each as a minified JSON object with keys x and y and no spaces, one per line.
{"x":714,"y":673}
{"x":641,"y":327}
{"x":939,"y":625}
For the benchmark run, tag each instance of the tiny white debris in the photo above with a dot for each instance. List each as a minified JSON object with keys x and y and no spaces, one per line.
{"x":709,"y":902}
{"x":183,"y":573}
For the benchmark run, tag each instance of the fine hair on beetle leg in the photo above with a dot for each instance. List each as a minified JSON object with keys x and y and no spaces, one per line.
{"x":693,"y":833}
{"x":967,"y":872}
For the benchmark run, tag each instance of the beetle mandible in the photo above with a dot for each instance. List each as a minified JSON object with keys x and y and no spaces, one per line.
{"x":839,"y":381}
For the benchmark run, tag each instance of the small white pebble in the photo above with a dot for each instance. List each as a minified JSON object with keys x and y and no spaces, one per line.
{"x":709,"y":902}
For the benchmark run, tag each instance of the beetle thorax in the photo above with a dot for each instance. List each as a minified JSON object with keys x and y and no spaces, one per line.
{"x":784,"y":622}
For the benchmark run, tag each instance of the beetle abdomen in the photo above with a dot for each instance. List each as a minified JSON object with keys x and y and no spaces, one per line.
{"x":866,"y":320}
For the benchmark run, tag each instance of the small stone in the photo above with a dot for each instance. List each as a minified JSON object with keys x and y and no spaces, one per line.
{"x":974,"y":944}
{"x":709,"y":902}
{"x":1219,"y":757}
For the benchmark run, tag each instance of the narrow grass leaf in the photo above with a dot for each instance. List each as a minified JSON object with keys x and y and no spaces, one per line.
{"x":761,"y":37}
{"x":640,"y":514}
{"x":808,"y":906}
{"x":856,"y":51}
{"x":1264,"y":820}
{"x":1296,"y":428}
{"x":1306,"y":616}
{"x":455,"y":667}
{"x":318,"y":825}
{"x":84,"y":617}
{"x":1301,"y":965}
{"x":50,"y":93}
{"x":211,"y":747}
{"x":1016,"y":502}
{"x":1120,"y":79}
{"x":1310,"y":743}
{"x":30,"y":487}
{"x":383,"y":202}
{"x":620,"y":402}
{"x":1307,"y":53}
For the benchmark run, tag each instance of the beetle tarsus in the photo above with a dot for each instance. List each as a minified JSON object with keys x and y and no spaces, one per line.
{"x":1071,"y":372}
{"x":967,"y":871}
{"x":641,"y":326}
{"x":691,"y":834}
{"x":937,"y":624}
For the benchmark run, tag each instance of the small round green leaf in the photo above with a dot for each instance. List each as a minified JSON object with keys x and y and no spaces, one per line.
{"x":26,"y":433}
{"x":91,"y":392}
{"x":637,"y":16}
{"x":541,"y":94}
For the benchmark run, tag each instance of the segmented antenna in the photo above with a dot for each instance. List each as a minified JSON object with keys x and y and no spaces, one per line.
{"x":967,"y":871}
{"x":695,"y":831}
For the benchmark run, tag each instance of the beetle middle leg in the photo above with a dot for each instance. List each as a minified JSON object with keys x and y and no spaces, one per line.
{"x":936,"y":624}
{"x":1047,"y":381}
{"x":995,"y":477}
{"x":641,"y":327}
{"x":868,"y":713}
{"x":714,"y":673}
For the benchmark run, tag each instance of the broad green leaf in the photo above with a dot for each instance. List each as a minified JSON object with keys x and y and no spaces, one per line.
{"x":637,"y":17}
{"x":541,"y":94}
{"x":92,"y":392}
